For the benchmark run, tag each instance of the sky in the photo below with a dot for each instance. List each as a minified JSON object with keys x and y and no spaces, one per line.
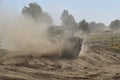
{"x":101,"y":11}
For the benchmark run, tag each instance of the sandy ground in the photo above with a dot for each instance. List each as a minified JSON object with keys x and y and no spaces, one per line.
{"x":95,"y":64}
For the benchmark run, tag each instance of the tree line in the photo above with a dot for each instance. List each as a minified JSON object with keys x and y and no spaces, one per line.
{"x":34,"y":11}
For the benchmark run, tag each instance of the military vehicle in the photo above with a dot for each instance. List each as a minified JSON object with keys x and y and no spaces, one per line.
{"x":58,"y":33}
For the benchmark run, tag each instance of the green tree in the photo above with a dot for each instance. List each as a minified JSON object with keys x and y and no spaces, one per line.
{"x":115,"y":24}
{"x":34,"y":11}
{"x":84,"y":26}
{"x":95,"y":27}
{"x":67,"y":19}
{"x":68,"y":22}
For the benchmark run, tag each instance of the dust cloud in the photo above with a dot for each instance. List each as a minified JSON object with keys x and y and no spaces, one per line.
{"x":25,"y":36}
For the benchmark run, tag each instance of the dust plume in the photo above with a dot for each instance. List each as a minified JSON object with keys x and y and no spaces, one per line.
{"x":26,"y":36}
{"x":84,"y":48}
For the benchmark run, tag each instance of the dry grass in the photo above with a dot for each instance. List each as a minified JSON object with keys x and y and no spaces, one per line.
{"x":107,"y":41}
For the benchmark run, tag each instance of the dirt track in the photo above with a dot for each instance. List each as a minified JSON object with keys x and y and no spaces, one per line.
{"x":99,"y":63}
